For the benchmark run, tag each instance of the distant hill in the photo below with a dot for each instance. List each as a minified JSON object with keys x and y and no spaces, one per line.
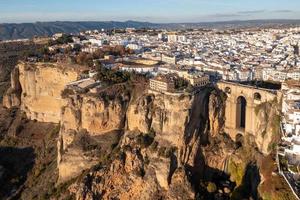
{"x":28,"y":30}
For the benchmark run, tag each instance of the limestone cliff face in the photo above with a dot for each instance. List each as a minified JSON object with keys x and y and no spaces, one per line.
{"x":220,"y":149}
{"x":135,"y":173}
{"x":41,"y":90}
{"x":149,"y":146}
{"x":96,"y":117}
{"x":267,"y":126}
{"x":188,"y":123}
{"x":217,"y":112}
{"x":181,"y":122}
{"x":37,"y":89}
{"x":155,"y":166}
{"x":150,"y":165}
{"x":93,"y":114}
{"x":12,"y":97}
{"x":165,"y":115}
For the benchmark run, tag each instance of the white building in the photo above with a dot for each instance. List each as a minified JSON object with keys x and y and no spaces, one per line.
{"x":182,"y":38}
{"x":291,"y":107}
{"x":95,"y":42}
{"x":134,"y":47}
{"x":172,"y":37}
{"x":272,"y":74}
{"x":238,"y":75}
{"x":169,"y":59}
{"x":140,"y":69}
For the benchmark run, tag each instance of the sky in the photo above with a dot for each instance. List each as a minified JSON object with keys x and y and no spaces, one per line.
{"x":161,"y":11}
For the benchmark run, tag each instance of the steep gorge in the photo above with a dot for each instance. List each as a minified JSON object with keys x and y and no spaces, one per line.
{"x":127,"y":143}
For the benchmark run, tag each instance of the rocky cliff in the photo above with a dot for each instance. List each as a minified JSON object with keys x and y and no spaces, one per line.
{"x":164,"y":151}
{"x":10,"y":53}
{"x":37,"y":87}
{"x":174,"y":127}
{"x":90,"y":125}
{"x":12,"y":96}
{"x":124,"y":142}
{"x":28,"y":155}
{"x":268,"y":126}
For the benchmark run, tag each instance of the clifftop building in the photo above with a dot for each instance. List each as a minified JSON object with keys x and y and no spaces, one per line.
{"x":162,"y":84}
{"x":197,"y":79}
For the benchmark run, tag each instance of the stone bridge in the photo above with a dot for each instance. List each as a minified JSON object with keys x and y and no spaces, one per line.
{"x":240,"y":117}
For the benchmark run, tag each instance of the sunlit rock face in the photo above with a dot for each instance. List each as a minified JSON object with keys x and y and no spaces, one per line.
{"x":97,"y":119}
{"x":150,"y":146}
{"x":12,"y":97}
{"x":166,"y":115}
{"x":41,"y":90}
{"x":37,"y":89}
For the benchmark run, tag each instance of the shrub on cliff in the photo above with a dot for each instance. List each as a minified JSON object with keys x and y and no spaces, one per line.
{"x":181,"y":83}
{"x":84,"y":58}
{"x":66,"y":92}
{"x":112,"y":76}
{"x":145,"y":140}
{"x":211,"y":187}
{"x":166,"y":152}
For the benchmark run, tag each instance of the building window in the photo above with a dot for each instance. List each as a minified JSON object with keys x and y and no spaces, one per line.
{"x":257,"y":96}
{"x":228,"y":90}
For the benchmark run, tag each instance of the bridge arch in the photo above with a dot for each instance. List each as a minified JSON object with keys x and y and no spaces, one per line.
{"x":241,"y":109}
{"x":240,"y":115}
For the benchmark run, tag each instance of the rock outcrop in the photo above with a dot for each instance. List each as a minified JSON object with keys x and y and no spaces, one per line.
{"x":162,"y":144}
{"x":12,"y":98}
{"x":10,"y":53}
{"x":217,"y":112}
{"x":165,"y":115}
{"x":94,"y":116}
{"x":268,"y":126}
{"x":135,"y":173}
{"x":124,"y":144}
{"x":37,"y":89}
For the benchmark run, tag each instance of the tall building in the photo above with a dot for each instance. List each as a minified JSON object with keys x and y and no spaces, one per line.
{"x":162,"y":84}
{"x":172,"y":37}
{"x":181,"y":38}
{"x":160,"y":36}
{"x":296,"y":49}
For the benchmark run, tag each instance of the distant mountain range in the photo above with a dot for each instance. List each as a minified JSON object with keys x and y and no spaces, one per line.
{"x":29,"y":30}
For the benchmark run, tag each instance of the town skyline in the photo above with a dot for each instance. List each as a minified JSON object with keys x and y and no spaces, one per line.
{"x":170,"y":11}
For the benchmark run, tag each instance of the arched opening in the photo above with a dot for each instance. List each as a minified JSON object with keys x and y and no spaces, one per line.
{"x":241,"y":112}
{"x":257,"y":96}
{"x":239,"y":140}
{"x":228,"y":90}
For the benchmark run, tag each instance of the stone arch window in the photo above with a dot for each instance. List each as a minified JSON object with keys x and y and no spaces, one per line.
{"x":257,"y":96}
{"x":239,"y":140}
{"x":241,"y":112}
{"x":228,"y":90}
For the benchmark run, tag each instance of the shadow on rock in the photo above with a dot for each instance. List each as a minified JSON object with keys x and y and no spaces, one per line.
{"x":249,"y":187}
{"x":15,"y":163}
